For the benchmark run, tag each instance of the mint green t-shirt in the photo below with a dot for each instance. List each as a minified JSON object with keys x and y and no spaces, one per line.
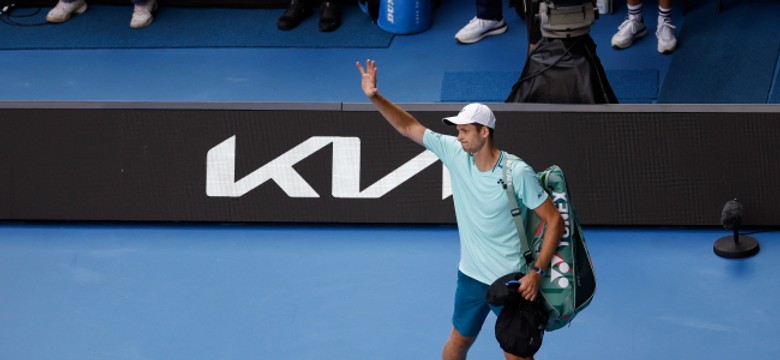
{"x":489,"y":244}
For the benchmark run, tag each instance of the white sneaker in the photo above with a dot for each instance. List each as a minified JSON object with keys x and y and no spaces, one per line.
{"x":629,"y":30}
{"x":666,"y":40}
{"x":477,"y":29}
{"x":63,"y":11}
{"x":142,"y":14}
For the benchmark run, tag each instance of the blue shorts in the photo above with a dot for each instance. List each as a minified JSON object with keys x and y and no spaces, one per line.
{"x":471,"y":307}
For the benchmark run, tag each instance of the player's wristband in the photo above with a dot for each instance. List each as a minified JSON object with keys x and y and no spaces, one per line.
{"x":539,"y":270}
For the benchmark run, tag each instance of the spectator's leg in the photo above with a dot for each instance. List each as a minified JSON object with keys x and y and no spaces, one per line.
{"x":632,"y":28}
{"x":489,"y":21}
{"x":297,"y":11}
{"x":667,"y":42}
{"x":635,"y":9}
{"x":330,"y":15}
{"x":65,"y":9}
{"x":489,"y":9}
{"x":142,"y":13}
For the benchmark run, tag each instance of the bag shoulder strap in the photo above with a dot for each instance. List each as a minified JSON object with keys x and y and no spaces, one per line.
{"x":514,"y":209}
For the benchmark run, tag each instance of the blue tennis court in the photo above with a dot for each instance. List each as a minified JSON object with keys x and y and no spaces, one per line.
{"x":84,"y":291}
{"x":170,"y":291}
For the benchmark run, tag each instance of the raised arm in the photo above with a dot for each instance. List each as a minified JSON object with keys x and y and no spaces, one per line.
{"x":402,"y":121}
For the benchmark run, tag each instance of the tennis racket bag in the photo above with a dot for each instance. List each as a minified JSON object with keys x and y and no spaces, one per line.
{"x":569,"y":286}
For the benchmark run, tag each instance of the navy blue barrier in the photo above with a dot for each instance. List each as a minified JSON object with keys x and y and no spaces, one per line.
{"x":341,"y":163}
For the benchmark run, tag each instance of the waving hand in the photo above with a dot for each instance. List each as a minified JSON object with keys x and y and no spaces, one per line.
{"x":368,"y":77}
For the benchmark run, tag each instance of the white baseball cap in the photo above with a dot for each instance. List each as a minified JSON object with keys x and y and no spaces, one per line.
{"x":474,"y":113}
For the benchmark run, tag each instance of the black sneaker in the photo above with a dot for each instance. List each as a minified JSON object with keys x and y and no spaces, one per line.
{"x":296,"y":12}
{"x":330,"y":16}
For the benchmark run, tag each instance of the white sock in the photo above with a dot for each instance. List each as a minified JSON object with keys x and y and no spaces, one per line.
{"x":635,"y":12}
{"x":664,"y":15}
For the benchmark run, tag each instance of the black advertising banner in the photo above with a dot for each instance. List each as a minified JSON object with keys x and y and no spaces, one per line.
{"x":202,"y":165}
{"x":342,"y":163}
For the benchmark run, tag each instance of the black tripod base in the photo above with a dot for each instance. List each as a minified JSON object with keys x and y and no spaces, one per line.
{"x":728,"y":248}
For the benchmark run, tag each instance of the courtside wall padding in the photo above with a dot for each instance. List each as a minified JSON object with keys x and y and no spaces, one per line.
{"x":335,"y":163}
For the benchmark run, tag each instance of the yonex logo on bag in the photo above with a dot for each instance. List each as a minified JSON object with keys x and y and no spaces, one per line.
{"x":559,"y":266}
{"x":562,"y":203}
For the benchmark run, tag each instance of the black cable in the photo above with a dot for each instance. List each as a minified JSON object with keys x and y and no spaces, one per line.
{"x":9,"y":14}
{"x":757,"y":232}
{"x":600,"y":75}
{"x":542,"y":71}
